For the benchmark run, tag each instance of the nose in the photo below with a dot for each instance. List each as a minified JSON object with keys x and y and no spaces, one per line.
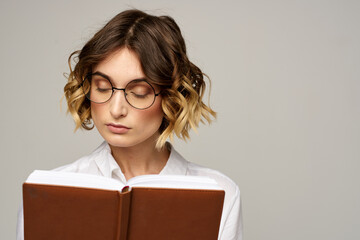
{"x":118,"y":104}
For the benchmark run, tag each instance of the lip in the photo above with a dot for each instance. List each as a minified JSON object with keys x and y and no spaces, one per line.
{"x":117,"y":128}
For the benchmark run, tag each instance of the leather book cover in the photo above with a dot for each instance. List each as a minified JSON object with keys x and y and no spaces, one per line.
{"x":74,"y":213}
{"x":176,"y":214}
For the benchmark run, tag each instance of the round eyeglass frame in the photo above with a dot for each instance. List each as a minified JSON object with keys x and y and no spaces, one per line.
{"x":114,"y":88}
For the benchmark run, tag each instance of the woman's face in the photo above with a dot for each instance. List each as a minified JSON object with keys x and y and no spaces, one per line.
{"x":120,"y":124}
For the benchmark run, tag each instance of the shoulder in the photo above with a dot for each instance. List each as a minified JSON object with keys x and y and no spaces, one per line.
{"x":231,"y":188}
{"x":179,"y":165}
{"x":85,"y":163}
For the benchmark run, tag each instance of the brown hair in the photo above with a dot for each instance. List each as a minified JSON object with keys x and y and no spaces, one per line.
{"x":161,"y":49}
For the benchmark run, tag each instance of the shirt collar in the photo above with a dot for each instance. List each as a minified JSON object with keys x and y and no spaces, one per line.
{"x":106,"y":162}
{"x":176,"y":164}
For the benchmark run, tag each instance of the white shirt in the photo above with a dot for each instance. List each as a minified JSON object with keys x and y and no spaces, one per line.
{"x":101,"y":162}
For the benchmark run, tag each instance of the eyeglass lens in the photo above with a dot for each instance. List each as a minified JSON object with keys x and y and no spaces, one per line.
{"x":138,"y":93}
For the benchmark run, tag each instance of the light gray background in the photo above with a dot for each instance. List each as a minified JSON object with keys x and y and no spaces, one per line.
{"x":286,"y":88}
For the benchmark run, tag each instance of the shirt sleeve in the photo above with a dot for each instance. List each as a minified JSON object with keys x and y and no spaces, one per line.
{"x":20,"y":224}
{"x":233,"y":228}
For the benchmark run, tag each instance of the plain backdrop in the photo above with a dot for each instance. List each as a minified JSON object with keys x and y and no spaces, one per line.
{"x":285,"y":83}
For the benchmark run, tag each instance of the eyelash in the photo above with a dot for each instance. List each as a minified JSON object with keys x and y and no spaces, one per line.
{"x":103,"y":89}
{"x":139,"y":95}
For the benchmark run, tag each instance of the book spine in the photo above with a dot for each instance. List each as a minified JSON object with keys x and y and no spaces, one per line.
{"x":123,"y":215}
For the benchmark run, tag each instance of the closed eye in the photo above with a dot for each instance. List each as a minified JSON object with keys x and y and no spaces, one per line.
{"x":103,"y":89}
{"x":139,"y":95}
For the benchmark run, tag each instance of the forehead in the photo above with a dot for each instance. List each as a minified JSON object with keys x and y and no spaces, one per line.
{"x":121,"y":66}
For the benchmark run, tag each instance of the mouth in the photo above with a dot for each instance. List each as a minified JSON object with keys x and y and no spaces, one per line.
{"x":117,"y":125}
{"x":117,"y":128}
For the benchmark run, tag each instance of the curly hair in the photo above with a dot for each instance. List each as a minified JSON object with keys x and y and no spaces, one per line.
{"x":161,"y":49}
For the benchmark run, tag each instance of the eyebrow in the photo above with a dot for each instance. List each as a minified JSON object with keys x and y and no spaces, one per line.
{"x":111,"y":80}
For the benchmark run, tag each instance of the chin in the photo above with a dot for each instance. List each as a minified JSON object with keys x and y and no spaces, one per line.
{"x":130,"y":139}
{"x":124,"y":141}
{"x":121,"y":143}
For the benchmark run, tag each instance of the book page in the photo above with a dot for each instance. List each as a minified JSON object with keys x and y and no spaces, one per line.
{"x":101,"y":182}
{"x":74,"y":180}
{"x":173,"y":181}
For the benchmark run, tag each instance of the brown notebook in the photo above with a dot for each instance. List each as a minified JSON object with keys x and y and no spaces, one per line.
{"x":54,"y":211}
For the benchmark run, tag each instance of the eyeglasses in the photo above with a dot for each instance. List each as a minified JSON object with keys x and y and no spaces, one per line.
{"x":138,"y":93}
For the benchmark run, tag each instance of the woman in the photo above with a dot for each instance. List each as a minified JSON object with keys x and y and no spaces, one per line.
{"x":134,"y":82}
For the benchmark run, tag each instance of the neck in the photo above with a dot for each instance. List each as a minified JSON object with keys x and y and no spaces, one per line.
{"x":140,"y":159}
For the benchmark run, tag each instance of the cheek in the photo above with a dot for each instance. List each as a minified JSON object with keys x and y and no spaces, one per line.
{"x":96,"y":110}
{"x":152,"y":116}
